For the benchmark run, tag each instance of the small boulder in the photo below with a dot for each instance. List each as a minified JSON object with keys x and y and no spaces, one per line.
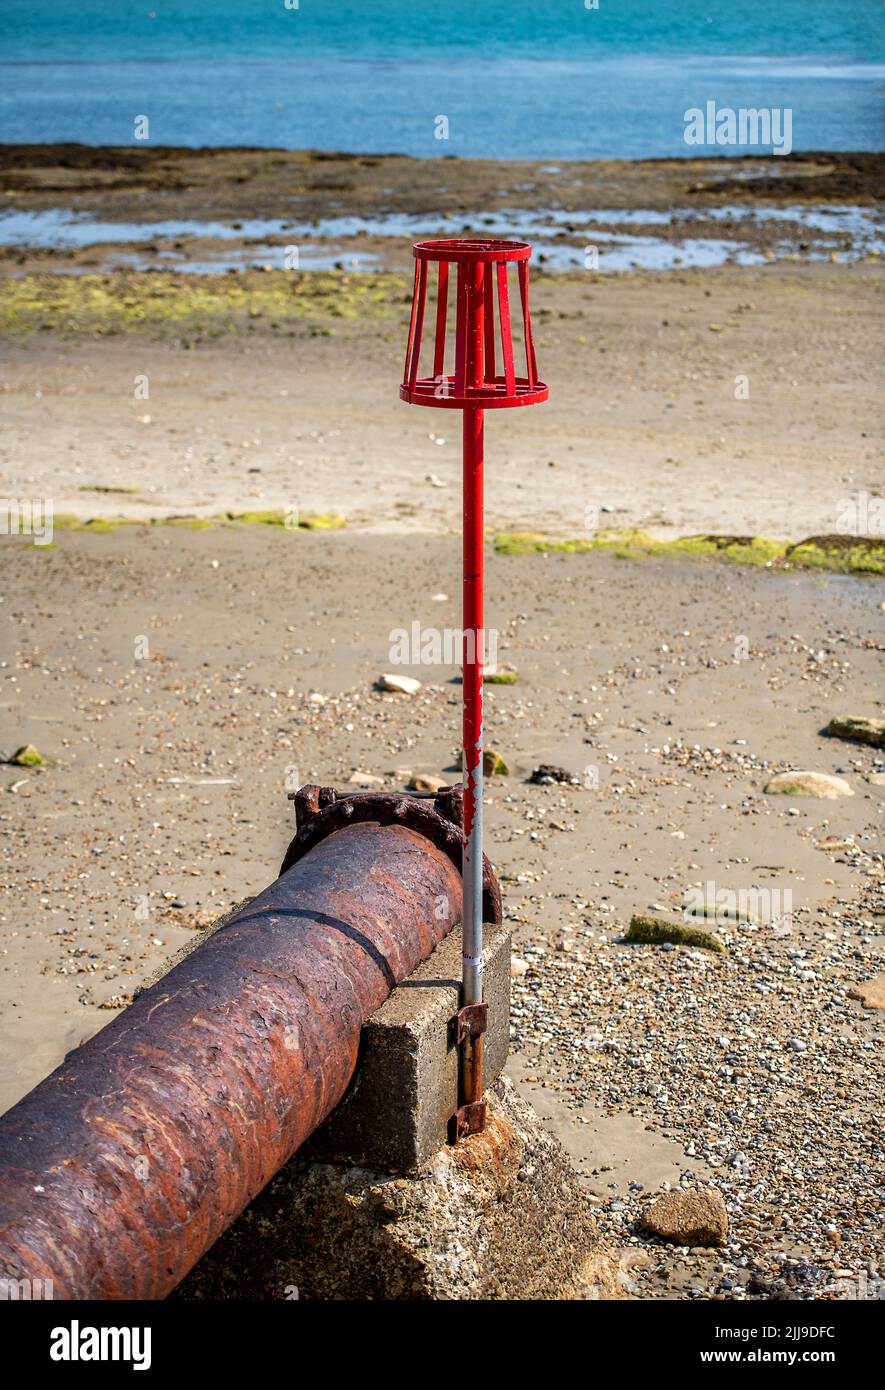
{"x":688,"y":1218}
{"x":858,"y":730}
{"x":871,"y":993}
{"x":402,"y":685}
{"x":659,"y":931}
{"x":820,"y":784}
{"x":426,"y":782}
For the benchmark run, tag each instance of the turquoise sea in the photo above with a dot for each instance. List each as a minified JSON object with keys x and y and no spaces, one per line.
{"x":549,"y":79}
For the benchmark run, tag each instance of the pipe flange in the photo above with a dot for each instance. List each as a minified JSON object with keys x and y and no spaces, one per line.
{"x":320,"y":811}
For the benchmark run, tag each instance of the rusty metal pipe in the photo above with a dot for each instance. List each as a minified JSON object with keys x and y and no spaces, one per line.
{"x":120,"y":1169}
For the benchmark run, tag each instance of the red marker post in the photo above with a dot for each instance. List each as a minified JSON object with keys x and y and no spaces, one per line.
{"x":465,"y":377}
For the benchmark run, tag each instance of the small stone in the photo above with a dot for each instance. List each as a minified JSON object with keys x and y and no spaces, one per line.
{"x":27,"y":756}
{"x":688,"y":1218}
{"x":426,"y":782}
{"x":819,"y":784}
{"x":858,"y":730}
{"x":315,"y":698}
{"x":871,"y":993}
{"x":403,"y":685}
{"x":518,"y":966}
{"x":365,"y":779}
{"x":493,"y":765}
{"x":876,"y":779}
{"x":546,"y":773}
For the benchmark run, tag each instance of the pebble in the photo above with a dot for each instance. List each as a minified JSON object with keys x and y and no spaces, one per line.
{"x":402,"y":685}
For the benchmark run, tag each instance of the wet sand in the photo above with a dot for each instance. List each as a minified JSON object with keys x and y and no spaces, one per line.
{"x":290,"y":401}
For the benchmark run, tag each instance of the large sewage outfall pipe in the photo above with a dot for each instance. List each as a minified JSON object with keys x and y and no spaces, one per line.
{"x":120,"y":1169}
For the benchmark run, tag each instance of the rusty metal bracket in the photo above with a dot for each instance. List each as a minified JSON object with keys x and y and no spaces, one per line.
{"x":472,"y":1021}
{"x":467,"y":1119}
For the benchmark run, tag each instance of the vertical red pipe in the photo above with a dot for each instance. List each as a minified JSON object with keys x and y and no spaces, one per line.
{"x":472,"y":626}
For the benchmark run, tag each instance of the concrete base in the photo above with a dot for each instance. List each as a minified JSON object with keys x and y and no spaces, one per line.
{"x":395,"y":1116}
{"x":500,"y":1216}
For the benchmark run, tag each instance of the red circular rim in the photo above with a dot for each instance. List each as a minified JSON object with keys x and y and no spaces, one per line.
{"x":490,"y":396}
{"x":472,"y":249}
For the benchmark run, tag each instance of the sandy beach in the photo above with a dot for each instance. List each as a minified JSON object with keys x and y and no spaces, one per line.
{"x":165,"y":802}
{"x":179,"y":670}
{"x":734,"y":398}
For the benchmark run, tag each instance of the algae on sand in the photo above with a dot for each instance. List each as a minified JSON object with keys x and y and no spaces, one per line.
{"x":169,"y":304}
{"x":322,"y":521}
{"x":840,"y":554}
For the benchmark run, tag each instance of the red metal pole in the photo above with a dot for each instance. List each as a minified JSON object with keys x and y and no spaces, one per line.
{"x":472,"y":385}
{"x":472,"y":627}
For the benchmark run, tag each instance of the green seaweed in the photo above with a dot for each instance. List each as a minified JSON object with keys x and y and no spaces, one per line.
{"x":99,"y":525}
{"x":839,"y":554}
{"x":192,"y":307}
{"x":323,"y":521}
{"x":842,"y":554}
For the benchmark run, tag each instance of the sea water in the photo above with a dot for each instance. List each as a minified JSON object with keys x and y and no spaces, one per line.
{"x":558,"y":79}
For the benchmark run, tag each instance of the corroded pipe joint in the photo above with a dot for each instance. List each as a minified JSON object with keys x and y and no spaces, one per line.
{"x":321,"y":811}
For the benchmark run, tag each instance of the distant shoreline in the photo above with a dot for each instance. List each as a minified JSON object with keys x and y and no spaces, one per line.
{"x":73,"y":208}
{"x":118,"y":182}
{"x":862,"y":164}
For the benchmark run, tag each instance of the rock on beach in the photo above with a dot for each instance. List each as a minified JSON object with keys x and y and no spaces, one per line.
{"x":688,"y":1218}
{"x":820,"y":784}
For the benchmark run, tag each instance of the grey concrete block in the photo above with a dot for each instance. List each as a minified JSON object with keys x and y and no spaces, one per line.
{"x":501,"y":1215}
{"x":395,"y":1116}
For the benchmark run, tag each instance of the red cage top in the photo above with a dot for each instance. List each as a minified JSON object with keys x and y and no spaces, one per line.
{"x":465,"y":356}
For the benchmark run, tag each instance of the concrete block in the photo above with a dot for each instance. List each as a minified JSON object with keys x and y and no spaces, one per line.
{"x":395,"y":1116}
{"x":501,"y":1215}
